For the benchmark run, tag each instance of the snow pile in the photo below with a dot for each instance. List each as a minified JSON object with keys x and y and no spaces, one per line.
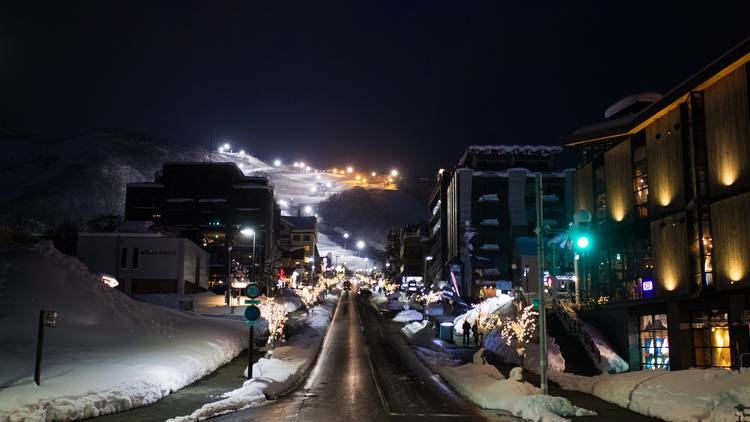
{"x":410,"y":330}
{"x":483,"y":385}
{"x":611,"y":362}
{"x":496,"y":344}
{"x":378,"y":298}
{"x":275,"y":375}
{"x":435,"y":359}
{"x":107,"y":353}
{"x":688,"y":395}
{"x":501,"y":304}
{"x":408,"y":315}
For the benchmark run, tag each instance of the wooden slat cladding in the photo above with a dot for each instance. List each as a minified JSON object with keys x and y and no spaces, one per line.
{"x":583,"y":189}
{"x":669,"y":245}
{"x":619,"y":175}
{"x":665,"y":164}
{"x":731,"y":240}
{"x":728,"y":133}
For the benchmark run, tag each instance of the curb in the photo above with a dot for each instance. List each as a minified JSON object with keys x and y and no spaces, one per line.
{"x":306,"y":371}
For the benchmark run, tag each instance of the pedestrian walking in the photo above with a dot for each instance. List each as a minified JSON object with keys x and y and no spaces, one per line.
{"x":475,"y":331}
{"x":467,"y":329}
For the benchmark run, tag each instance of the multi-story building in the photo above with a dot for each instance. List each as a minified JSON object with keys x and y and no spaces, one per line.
{"x":667,"y":182}
{"x":412,"y":251}
{"x":298,"y":240}
{"x":437,"y":248}
{"x":490,"y":202}
{"x":231,"y":215}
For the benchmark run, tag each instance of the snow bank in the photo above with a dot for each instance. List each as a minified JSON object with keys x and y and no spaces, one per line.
{"x":688,"y":395}
{"x":107,"y":353}
{"x":435,"y":359}
{"x":483,"y":385}
{"x":501,"y":304}
{"x":275,"y":375}
{"x":495,"y":343}
{"x":408,"y":315}
{"x":611,"y":362}
{"x":410,"y":330}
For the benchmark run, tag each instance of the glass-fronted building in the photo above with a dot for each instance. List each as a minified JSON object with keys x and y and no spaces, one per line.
{"x":667,"y":182}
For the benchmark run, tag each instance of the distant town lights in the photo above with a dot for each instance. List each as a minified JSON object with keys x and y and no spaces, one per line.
{"x":350,"y":169}
{"x":373,"y":174}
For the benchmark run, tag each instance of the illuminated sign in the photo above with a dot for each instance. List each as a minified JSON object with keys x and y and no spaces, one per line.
{"x":648,"y":285}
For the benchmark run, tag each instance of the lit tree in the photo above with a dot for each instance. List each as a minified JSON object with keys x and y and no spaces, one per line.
{"x":275,"y":313}
{"x":520,"y":329}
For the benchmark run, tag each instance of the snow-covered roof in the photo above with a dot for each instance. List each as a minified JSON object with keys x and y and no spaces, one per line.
{"x":145,"y":185}
{"x":251,"y":186}
{"x":516,"y":149}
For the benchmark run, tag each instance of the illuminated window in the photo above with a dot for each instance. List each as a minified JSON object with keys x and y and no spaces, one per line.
{"x":640,"y":178}
{"x":711,"y":339}
{"x":654,"y":341}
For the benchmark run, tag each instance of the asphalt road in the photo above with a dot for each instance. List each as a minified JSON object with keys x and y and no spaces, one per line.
{"x":363,"y":374}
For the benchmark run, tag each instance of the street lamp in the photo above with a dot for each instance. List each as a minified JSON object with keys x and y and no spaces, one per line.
{"x":360,"y":244}
{"x":276,"y":162}
{"x":394,"y":172}
{"x":346,"y":237}
{"x":308,"y":209}
{"x":427,"y":259}
{"x":250,"y":232}
{"x":350,"y":169}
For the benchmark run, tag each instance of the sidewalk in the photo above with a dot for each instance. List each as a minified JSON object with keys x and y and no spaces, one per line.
{"x":605,"y":411}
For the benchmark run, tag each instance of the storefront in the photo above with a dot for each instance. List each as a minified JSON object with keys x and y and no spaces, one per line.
{"x":654,"y":341}
{"x":711,"y":344}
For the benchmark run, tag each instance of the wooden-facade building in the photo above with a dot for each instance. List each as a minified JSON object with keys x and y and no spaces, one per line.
{"x":668,"y":188}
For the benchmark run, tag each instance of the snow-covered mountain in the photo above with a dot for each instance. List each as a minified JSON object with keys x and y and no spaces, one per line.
{"x":75,"y":178}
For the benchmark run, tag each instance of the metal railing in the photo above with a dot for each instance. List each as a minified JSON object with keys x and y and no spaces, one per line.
{"x":574,"y":327}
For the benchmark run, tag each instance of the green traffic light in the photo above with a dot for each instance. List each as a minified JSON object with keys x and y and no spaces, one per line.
{"x":582,"y":242}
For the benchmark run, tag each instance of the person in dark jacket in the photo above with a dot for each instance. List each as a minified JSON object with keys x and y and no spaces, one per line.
{"x":475,"y":331}
{"x":467,"y":330}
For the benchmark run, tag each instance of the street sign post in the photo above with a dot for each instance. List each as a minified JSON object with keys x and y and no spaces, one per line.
{"x":252,"y":315}
{"x":46,"y":319}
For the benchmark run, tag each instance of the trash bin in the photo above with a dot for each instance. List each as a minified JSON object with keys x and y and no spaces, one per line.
{"x":446,"y":331}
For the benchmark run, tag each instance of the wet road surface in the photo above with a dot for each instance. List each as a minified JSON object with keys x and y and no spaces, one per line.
{"x":363,"y":374}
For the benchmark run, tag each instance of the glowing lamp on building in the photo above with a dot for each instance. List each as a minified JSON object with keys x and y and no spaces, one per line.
{"x":582,"y":242}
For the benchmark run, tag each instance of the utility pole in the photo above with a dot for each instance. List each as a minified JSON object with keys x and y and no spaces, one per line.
{"x":540,"y":268}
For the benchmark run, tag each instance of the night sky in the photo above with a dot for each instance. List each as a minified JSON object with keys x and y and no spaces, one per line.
{"x":401,"y":83}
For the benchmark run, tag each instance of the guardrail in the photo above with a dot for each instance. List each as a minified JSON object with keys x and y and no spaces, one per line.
{"x":574,"y":327}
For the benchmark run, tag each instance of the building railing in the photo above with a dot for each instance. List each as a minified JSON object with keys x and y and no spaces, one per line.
{"x":574,"y":327}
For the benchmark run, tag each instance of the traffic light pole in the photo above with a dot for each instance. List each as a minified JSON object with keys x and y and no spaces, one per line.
{"x":540,"y":269}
